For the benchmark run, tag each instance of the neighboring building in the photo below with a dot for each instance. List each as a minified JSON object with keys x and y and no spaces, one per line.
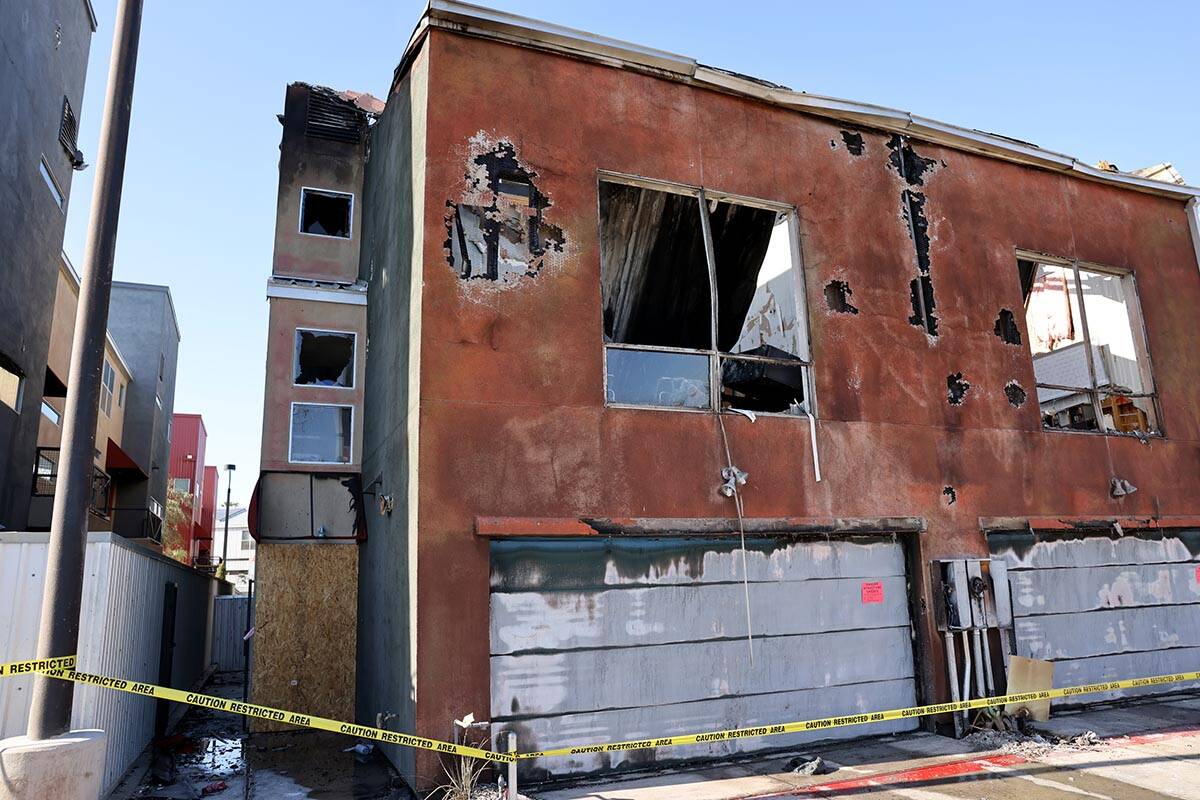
{"x":621,"y":319}
{"x":208,"y":518}
{"x":189,"y":476}
{"x":113,"y":467}
{"x":142,"y":321}
{"x":44,"y":51}
{"x":239,"y":557}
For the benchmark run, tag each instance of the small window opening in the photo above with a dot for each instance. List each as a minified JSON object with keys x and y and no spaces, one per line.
{"x":324,"y":358}
{"x":1089,"y":352}
{"x":51,"y":413}
{"x":701,"y":302}
{"x":325,"y":213}
{"x":321,"y":434}
{"x":60,"y":199}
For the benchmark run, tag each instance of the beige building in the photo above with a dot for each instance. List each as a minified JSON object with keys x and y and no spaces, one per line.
{"x":112,"y":463}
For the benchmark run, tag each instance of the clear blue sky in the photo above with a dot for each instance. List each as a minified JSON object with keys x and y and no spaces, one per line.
{"x":1097,"y":80}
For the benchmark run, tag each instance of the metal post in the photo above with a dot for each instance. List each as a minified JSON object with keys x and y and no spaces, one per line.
{"x":512,"y":767}
{"x":229,"y":468}
{"x":58,"y":634}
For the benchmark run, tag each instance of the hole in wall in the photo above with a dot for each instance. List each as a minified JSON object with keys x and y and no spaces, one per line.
{"x":837,"y":297}
{"x":956,"y":389}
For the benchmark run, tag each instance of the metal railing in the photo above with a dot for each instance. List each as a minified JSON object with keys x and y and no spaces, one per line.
{"x":45,"y":481}
{"x":146,"y":526}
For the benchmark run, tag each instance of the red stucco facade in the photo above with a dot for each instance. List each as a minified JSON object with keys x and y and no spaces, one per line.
{"x":512,"y":415}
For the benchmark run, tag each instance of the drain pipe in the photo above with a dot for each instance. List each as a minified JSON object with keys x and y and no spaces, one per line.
{"x":812,"y":437}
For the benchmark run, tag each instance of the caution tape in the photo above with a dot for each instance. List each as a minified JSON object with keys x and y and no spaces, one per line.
{"x":36,"y":665}
{"x":57,"y":668}
{"x":862,"y":719}
{"x":275,"y":714}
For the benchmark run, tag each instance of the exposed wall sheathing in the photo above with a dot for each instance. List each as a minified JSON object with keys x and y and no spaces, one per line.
{"x":305,"y":634}
{"x":603,"y":640}
{"x":1106,"y":608}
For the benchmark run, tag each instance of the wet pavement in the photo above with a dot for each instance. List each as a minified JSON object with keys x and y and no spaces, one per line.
{"x":210,"y":755}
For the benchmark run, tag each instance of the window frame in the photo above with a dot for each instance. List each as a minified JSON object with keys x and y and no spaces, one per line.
{"x":296,"y":357}
{"x":51,"y":180}
{"x":108,"y":382}
{"x":1137,"y":323}
{"x":51,"y":414}
{"x":350,"y":215}
{"x":292,"y":430}
{"x":704,"y":196}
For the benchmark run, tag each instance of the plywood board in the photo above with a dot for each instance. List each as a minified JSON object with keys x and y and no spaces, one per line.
{"x":1029,"y":675}
{"x":306,"y":622}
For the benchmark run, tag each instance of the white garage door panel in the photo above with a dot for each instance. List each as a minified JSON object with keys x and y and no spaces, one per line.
{"x":680,"y":613}
{"x":1115,"y":630}
{"x":712,"y":715}
{"x":631,"y":677}
{"x":1105,"y":608}
{"x":1040,"y":591}
{"x":638,"y":638}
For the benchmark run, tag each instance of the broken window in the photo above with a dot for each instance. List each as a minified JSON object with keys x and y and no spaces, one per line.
{"x":321,"y":434}
{"x":701,"y":301}
{"x":324,"y":358}
{"x":1090,"y":357}
{"x":107,"y":379}
{"x":324,"y":213}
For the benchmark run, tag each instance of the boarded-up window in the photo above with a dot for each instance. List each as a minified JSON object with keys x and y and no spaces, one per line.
{"x":320,"y":434}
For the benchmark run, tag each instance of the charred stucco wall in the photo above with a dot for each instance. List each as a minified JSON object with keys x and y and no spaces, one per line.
{"x":286,"y":316}
{"x":387,"y":579}
{"x":306,"y":161}
{"x":512,"y":420}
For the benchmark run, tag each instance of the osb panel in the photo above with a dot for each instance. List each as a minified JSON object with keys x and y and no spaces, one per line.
{"x":306,"y":623}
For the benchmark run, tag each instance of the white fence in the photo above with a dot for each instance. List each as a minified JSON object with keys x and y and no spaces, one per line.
{"x":120,"y":631}
{"x":229,"y":632}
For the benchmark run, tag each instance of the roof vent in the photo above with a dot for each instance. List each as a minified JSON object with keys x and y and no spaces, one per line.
{"x":330,"y":117}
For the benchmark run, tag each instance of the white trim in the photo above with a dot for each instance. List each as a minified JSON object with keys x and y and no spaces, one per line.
{"x":346,"y":297}
{"x":329,"y":192}
{"x":464,"y":18}
{"x":1193,"y":216}
{"x":51,"y":181}
{"x":292,"y":415}
{"x":74,"y":276}
{"x":353,"y":358}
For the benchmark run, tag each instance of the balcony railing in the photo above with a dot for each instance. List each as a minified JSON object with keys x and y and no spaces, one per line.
{"x":45,"y":481}
{"x":138,"y":522}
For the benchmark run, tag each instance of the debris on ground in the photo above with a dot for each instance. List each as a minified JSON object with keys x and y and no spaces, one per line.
{"x":1029,"y":745}
{"x":811,"y":765}
{"x":214,"y":788}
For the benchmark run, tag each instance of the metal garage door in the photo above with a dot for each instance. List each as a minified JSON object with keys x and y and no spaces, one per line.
{"x":1105,"y":607}
{"x":618,"y":639}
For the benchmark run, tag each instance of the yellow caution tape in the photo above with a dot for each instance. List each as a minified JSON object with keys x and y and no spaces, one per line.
{"x":276,"y":715}
{"x":863,"y":719}
{"x":53,"y":668}
{"x":37,"y":665}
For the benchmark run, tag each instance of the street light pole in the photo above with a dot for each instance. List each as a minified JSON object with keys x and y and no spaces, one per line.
{"x":58,"y":633}
{"x":228,"y":493}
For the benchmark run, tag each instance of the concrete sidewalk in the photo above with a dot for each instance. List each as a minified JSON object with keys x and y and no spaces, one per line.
{"x":1144,"y":751}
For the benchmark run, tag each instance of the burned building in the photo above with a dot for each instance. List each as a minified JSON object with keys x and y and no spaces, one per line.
{"x":681,"y":401}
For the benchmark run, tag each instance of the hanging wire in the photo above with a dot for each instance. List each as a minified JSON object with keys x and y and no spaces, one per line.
{"x":737,"y":505}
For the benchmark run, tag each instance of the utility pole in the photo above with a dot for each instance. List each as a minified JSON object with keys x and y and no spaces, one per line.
{"x":58,"y":635}
{"x":228,"y":493}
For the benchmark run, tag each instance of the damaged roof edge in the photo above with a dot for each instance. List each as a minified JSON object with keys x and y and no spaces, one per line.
{"x":491,"y":24}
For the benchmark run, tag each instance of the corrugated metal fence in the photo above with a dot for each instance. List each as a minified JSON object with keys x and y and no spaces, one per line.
{"x":229,"y":631}
{"x":120,"y":630}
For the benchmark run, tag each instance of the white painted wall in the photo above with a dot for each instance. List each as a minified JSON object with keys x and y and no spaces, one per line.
{"x":119,"y":634}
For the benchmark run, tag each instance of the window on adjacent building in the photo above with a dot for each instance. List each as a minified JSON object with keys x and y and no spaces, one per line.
{"x":321,"y":434}
{"x":11,"y":384}
{"x":325,"y":213}
{"x":702,"y":301}
{"x":51,"y":413}
{"x":60,"y":199}
{"x":181,"y":485}
{"x":324,"y":358}
{"x":121,"y":396}
{"x":1089,"y":350}
{"x":107,"y":378}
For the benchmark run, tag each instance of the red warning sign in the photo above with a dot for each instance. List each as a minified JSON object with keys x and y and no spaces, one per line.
{"x":872,"y":592}
{"x":1197,"y":574}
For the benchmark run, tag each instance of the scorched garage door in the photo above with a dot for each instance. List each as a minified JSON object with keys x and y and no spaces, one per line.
{"x":635,"y":638}
{"x":1105,"y":607}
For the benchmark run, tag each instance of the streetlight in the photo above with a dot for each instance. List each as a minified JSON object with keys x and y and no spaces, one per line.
{"x":228,"y":493}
